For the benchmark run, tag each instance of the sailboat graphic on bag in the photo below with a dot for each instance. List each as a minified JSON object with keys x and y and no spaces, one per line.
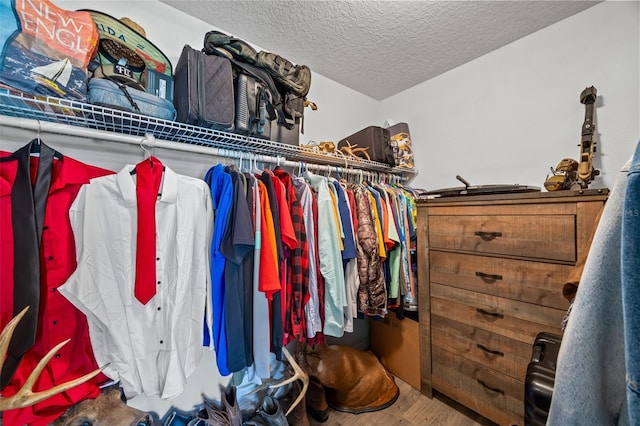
{"x":54,"y":75}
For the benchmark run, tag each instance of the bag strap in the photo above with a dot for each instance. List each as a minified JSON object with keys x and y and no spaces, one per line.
{"x":275,"y":93}
{"x":123,"y":87}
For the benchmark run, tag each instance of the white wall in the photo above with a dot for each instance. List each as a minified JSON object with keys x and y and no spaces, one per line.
{"x":510,"y":115}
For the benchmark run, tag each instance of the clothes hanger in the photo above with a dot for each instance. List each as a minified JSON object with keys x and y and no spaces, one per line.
{"x":278,"y":161}
{"x":254,"y":168}
{"x":303,"y":170}
{"x":241,"y":162}
{"x":36,"y":144}
{"x":149,"y":138}
{"x":233,"y":161}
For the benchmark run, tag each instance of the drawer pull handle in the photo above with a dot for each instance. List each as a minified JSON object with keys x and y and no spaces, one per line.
{"x":488,"y":236}
{"x":491,"y":314}
{"x":489,"y":277}
{"x":490,"y":351}
{"x":489,"y":387}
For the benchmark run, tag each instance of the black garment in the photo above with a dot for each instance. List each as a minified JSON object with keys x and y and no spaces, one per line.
{"x":238,"y":241}
{"x":247,"y":266}
{"x":28,"y":205}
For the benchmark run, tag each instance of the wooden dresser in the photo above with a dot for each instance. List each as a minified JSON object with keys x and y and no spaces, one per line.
{"x":495,"y":266}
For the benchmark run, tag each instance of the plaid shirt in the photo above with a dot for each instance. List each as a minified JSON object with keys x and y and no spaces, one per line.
{"x":297,"y":266}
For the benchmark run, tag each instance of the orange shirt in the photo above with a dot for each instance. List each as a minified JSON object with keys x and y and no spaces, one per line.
{"x":376,"y":218}
{"x":269,"y":281}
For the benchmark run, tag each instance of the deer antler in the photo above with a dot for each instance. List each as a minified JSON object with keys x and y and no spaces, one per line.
{"x":299,"y":374}
{"x":25,"y":396}
{"x":353,"y":151}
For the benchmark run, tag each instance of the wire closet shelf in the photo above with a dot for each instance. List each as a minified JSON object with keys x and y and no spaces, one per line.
{"x":74,"y":113}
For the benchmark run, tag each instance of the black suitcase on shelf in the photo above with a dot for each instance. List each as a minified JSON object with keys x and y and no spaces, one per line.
{"x":203,"y":90}
{"x":260,"y":107}
{"x":376,"y":139}
{"x":540,"y":378}
{"x":252,"y":117}
{"x":284,"y":135}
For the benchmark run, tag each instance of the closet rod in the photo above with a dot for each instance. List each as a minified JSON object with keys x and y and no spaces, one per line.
{"x":84,"y":132}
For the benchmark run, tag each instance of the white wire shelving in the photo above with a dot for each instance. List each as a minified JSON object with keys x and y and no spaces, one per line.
{"x":103,"y":119}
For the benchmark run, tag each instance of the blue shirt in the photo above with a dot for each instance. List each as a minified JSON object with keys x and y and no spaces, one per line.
{"x":222,"y":197}
{"x":349,"y":244}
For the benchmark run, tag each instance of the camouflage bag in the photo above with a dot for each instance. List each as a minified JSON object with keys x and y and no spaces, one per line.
{"x":292,"y":78}
{"x":296,"y":78}
{"x":216,"y":43}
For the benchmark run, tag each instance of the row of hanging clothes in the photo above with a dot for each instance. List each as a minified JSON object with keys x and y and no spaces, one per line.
{"x":326,"y":250}
{"x":143,"y":267}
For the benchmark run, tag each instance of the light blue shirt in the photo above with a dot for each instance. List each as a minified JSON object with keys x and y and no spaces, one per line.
{"x":330,"y":255}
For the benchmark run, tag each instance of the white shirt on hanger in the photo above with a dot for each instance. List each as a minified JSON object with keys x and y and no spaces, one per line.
{"x":312,"y":308}
{"x":151,"y":348}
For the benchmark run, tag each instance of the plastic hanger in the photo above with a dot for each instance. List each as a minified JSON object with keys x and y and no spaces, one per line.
{"x":241,"y":162}
{"x":254,"y":168}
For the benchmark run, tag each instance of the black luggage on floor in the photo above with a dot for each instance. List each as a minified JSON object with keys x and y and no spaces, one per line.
{"x":540,"y":378}
{"x":203,"y":90}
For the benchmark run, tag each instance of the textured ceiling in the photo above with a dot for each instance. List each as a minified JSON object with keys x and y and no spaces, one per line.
{"x":380,"y":48}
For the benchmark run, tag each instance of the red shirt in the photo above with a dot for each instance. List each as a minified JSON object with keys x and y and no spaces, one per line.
{"x":289,"y":241}
{"x":58,"y":319}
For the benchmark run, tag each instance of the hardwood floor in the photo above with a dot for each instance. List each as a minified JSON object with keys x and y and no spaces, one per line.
{"x":411,"y":409}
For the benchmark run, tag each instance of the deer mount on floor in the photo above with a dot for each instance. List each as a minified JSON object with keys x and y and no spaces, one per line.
{"x":354,"y":381}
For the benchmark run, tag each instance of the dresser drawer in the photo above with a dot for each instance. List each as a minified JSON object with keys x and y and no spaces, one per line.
{"x":510,"y":318}
{"x":550,"y":237}
{"x":533,"y":282}
{"x":492,"y":350}
{"x":488,"y":392}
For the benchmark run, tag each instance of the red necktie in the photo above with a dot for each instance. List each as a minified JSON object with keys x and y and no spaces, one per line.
{"x":149,"y":176}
